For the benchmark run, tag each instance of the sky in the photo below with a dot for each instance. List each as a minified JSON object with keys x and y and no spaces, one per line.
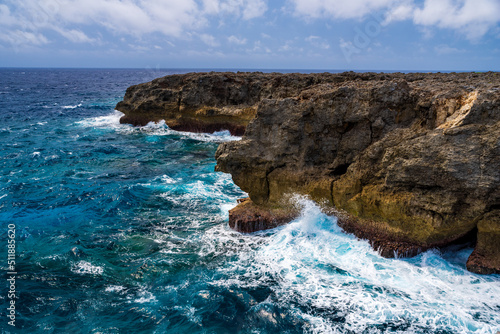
{"x":405,"y":35}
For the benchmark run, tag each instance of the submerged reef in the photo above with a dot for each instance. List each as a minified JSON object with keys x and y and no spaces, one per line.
{"x":407,"y":161}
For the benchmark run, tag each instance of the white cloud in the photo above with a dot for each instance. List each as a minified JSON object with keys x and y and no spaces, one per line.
{"x":133,"y":17}
{"x":248,"y":9}
{"x":5,"y":16}
{"x":258,"y":47}
{"x":446,"y":50}
{"x":211,"y":6}
{"x":19,"y":38}
{"x":400,"y":12}
{"x":472,"y":18}
{"x":338,"y":9}
{"x":173,"y":18}
{"x":139,"y":48}
{"x":253,"y":9}
{"x":235,"y":40}
{"x":348,"y":49}
{"x":209,"y":40}
{"x":318,"y":42}
{"x":287,"y":47}
{"x":76,"y":36}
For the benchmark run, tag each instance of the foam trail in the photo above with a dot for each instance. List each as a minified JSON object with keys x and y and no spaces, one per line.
{"x":72,"y":107}
{"x":86,"y":268}
{"x":161,"y":129}
{"x":112,"y":121}
{"x":109,"y":121}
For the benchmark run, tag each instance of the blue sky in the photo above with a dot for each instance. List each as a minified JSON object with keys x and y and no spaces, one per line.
{"x":425,"y":35}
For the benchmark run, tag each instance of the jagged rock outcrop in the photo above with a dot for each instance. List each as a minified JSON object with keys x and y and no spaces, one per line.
{"x":408,"y":161}
{"x":208,"y":102}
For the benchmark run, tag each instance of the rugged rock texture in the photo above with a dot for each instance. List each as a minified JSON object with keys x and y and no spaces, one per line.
{"x":408,"y":161}
{"x":208,"y":102}
{"x":247,"y":217}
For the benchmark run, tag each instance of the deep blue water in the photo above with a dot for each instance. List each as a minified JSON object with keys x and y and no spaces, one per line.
{"x":124,"y":230}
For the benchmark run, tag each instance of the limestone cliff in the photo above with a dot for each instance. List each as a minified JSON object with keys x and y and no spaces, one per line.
{"x":408,"y":161}
{"x":208,"y":102}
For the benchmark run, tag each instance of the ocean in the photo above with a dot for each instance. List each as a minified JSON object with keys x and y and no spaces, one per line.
{"x":121,"y":229}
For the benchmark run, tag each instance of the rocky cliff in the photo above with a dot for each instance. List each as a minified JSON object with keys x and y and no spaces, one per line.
{"x":408,"y":161}
{"x":208,"y":102}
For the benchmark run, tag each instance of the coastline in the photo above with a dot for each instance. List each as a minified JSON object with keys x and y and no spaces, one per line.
{"x":383,"y":148}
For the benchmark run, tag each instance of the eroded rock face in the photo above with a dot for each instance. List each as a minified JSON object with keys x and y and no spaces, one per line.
{"x":413,"y":161}
{"x":208,"y":102}
{"x":408,"y":161}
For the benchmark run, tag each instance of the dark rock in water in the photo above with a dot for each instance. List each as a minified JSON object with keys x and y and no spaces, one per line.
{"x":248,"y":217}
{"x":77,"y":252}
{"x":408,"y":161}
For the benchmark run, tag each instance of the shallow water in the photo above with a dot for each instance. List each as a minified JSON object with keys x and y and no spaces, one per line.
{"x":124,"y":230}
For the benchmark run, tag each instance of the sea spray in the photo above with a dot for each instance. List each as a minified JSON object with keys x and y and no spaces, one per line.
{"x":339,"y":284}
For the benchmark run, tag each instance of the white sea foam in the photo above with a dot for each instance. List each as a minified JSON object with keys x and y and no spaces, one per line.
{"x":112,"y":121}
{"x":312,"y":262}
{"x":109,"y":121}
{"x":196,"y":193}
{"x":142,"y":297}
{"x":161,"y":129}
{"x":224,"y":208}
{"x":216,"y":137}
{"x":72,"y":107}
{"x":87,"y":268}
{"x":115,"y":288}
{"x":169,"y":180}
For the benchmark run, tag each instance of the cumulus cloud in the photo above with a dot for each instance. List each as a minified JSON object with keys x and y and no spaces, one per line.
{"x":400,"y":12}
{"x":173,"y":18}
{"x":133,"y":17}
{"x":472,"y":18}
{"x":253,"y":9}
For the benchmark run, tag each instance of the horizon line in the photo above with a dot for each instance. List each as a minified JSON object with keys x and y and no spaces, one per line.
{"x":216,"y":69}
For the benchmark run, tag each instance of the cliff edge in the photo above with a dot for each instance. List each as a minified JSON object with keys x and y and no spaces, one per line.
{"x":208,"y":102}
{"x":408,"y":161}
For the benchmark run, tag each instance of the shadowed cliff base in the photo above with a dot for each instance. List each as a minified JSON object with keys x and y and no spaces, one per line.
{"x":412,"y":159}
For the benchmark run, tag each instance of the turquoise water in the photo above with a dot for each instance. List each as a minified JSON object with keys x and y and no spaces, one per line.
{"x":124,"y":230}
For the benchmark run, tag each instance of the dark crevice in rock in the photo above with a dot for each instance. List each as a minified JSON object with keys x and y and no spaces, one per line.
{"x":493,"y":207}
{"x":340,"y":170}
{"x":348,"y":127}
{"x":467,"y":240}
